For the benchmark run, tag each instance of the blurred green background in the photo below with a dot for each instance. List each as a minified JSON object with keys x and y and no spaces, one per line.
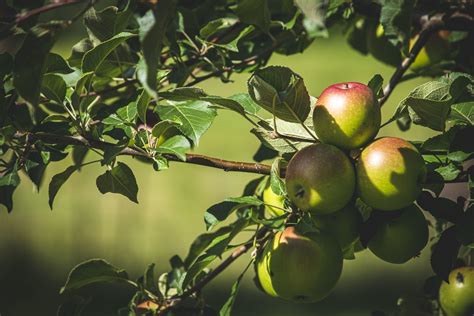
{"x":38,"y":247}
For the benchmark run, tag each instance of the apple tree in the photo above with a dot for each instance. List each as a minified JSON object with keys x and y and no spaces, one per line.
{"x":334,"y":188}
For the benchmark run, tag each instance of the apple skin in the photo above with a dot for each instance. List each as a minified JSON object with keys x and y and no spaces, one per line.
{"x":347,"y":115}
{"x":299,"y":268}
{"x":271,"y":198}
{"x":344,"y":225}
{"x":435,"y":50}
{"x":379,"y":46}
{"x":457,"y":296}
{"x":390,"y":174}
{"x":402,"y":237}
{"x":320,"y":179}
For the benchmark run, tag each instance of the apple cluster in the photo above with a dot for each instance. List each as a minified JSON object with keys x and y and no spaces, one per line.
{"x":325,"y":180}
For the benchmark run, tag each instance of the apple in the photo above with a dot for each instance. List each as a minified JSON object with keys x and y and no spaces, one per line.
{"x":320,"y":179}
{"x":344,"y":225}
{"x":400,"y":237}
{"x":299,"y":268}
{"x":379,"y":46}
{"x":390,"y":174}
{"x":274,"y":202}
{"x":436,"y":49}
{"x":347,"y":115}
{"x":457,"y":296}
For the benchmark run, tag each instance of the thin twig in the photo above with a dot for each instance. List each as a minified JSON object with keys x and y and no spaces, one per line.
{"x":455,"y":21}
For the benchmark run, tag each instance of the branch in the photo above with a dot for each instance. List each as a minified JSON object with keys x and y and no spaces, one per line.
{"x":195,"y":159}
{"x":456,"y":21}
{"x":259,"y":236}
{"x":21,"y":18}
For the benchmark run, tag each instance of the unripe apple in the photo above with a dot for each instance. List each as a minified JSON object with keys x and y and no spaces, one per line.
{"x":276,"y":201}
{"x":390,"y":174}
{"x":457,"y":296}
{"x":320,"y":179}
{"x":299,"y":268}
{"x":347,"y":115}
{"x":379,"y":46}
{"x":401,"y":236}
{"x":435,"y":49}
{"x":343,"y":225}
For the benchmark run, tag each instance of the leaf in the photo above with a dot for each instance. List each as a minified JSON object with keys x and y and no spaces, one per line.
{"x":94,"y":271}
{"x":55,"y":63}
{"x":277,"y":184}
{"x":177,"y":145}
{"x":462,"y":113}
{"x":246,"y":102}
{"x":30,"y":61}
{"x":194,"y":117}
{"x":78,"y":155}
{"x":264,"y":153}
{"x":54,"y":88}
{"x":314,"y":12}
{"x":215,"y":26}
{"x":142,"y":105}
{"x":57,"y":181}
{"x":396,"y":18}
{"x":6,"y":196}
{"x":376,"y":84}
{"x":227,"y":307}
{"x":10,"y":179}
{"x":281,"y":92}
{"x":429,"y":104}
{"x":104,"y":24}
{"x":464,"y":231}
{"x":220,"y":211}
{"x":119,"y":180}
{"x":449,"y":172}
{"x":444,"y":254}
{"x":94,"y":58}
{"x":204,"y":241}
{"x":440,"y":208}
{"x":152,"y":28}
{"x":255,"y":12}
{"x":149,"y":282}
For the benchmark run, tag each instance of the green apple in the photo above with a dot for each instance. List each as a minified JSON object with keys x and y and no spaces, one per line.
{"x":344,"y":225}
{"x":299,"y":268}
{"x":400,"y":237}
{"x":347,"y":115}
{"x":457,"y":296}
{"x":435,"y":50}
{"x":320,"y":179}
{"x":274,"y":202}
{"x":379,"y":46}
{"x":390,"y":174}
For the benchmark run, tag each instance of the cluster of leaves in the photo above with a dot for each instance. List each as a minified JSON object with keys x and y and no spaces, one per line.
{"x":127,"y":89}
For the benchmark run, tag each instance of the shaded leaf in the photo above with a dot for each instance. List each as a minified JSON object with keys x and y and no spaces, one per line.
{"x":444,"y":254}
{"x":94,"y":271}
{"x":57,"y":181}
{"x":254,"y":12}
{"x":220,"y":211}
{"x":177,"y":145}
{"x":54,"y":88}
{"x":119,"y":180}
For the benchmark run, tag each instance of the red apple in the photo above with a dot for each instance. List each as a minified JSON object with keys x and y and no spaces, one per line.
{"x":347,"y":115}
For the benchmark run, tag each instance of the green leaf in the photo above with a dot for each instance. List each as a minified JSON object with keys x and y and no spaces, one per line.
{"x":57,"y":181}
{"x":429,"y":104}
{"x":314,"y":12}
{"x":142,"y":105}
{"x":161,"y":127}
{"x":246,"y":102}
{"x":119,"y":180}
{"x":94,"y":271}
{"x":255,"y":12}
{"x":220,"y":211}
{"x":177,"y":145}
{"x":448,"y":172}
{"x":54,"y":87}
{"x":104,"y":24}
{"x":233,"y":44}
{"x":204,"y":241}
{"x":152,"y":29}
{"x":30,"y":61}
{"x":376,"y":84}
{"x":462,"y":113}
{"x":194,"y":117}
{"x":227,"y":307}
{"x":10,"y":179}
{"x":6,"y":196}
{"x":281,"y":92}
{"x":277,"y":184}
{"x":215,"y":26}
{"x":396,"y":18}
{"x":56,"y":64}
{"x":94,"y":58}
